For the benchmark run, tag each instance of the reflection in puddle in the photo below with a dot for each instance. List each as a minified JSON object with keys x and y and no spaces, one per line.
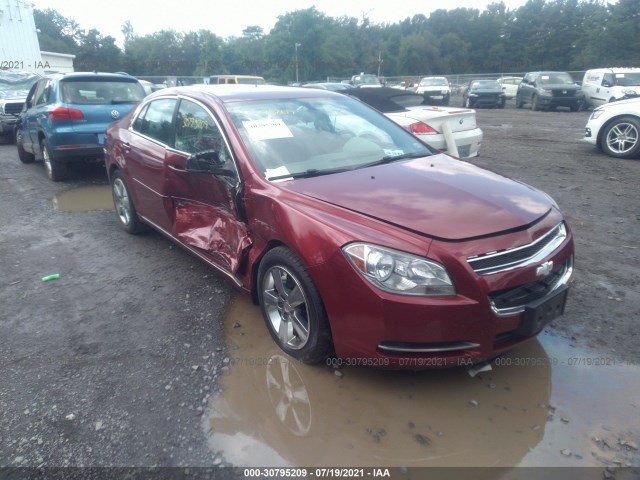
{"x":84,"y":199}
{"x":276,"y":412}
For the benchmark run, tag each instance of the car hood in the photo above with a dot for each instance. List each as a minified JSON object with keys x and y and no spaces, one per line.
{"x":560,"y":86}
{"x":13,"y":94}
{"x":436,"y":196}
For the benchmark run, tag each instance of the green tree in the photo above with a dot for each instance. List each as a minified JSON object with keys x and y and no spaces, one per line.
{"x":56,"y":33}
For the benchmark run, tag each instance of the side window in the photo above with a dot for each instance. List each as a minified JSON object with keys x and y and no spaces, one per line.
{"x":608,"y":80}
{"x":156,"y":120}
{"x":29,"y":102}
{"x":197,"y":132}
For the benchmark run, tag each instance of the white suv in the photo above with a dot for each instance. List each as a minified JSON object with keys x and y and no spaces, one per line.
{"x":604,"y":85}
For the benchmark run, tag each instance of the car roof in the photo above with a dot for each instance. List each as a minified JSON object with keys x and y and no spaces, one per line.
{"x":91,"y":75}
{"x":232,"y":93}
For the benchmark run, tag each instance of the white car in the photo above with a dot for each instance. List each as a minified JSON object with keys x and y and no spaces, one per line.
{"x":615,"y":128}
{"x":436,"y":88}
{"x":451,"y":130}
{"x":510,"y":85}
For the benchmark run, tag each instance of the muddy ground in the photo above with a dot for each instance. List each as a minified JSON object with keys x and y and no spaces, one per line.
{"x":120,"y":360}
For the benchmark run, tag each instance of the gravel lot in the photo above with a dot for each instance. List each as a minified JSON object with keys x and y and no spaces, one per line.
{"x":113,"y":363}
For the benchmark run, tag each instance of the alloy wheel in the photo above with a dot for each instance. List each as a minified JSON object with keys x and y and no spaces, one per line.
{"x":286,"y":307}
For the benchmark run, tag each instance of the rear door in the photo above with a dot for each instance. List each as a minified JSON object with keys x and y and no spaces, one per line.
{"x":149,"y":147}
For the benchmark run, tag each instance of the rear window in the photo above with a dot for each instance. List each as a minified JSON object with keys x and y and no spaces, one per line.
{"x":101,"y":92}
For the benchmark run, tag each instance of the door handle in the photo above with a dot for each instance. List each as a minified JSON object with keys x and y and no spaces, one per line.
{"x":176,"y":167}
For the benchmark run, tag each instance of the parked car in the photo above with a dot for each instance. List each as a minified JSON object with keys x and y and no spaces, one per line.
{"x":66,"y":114}
{"x":352,"y":235}
{"x":510,"y":86}
{"x":615,"y":128}
{"x":549,"y":90}
{"x":366,"y":80}
{"x":435,"y":88}
{"x":603,"y":85}
{"x":451,"y":130}
{"x":484,"y":93}
{"x":14,"y":87}
{"x":237,"y":79}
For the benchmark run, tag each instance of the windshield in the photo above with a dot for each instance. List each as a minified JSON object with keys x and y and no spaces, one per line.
{"x":96,"y":92}
{"x":368,"y":80}
{"x":434,"y":82}
{"x":318,"y":136}
{"x":16,"y":81}
{"x":628,"y":79}
{"x":555,"y":78}
{"x":487,"y":84}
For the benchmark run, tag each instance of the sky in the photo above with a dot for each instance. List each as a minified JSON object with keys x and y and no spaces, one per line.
{"x":228,"y":18}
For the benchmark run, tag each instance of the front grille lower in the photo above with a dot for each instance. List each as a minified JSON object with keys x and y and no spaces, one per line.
{"x":511,"y":258}
{"x":564,"y":93}
{"x":518,"y":297}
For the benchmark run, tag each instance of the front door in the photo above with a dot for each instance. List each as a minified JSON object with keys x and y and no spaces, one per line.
{"x":205,"y":212}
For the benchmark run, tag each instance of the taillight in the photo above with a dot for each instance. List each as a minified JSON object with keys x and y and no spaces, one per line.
{"x":63,"y":113}
{"x":420,"y":128}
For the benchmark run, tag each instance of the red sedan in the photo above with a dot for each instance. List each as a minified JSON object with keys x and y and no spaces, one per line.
{"x":359,"y":242}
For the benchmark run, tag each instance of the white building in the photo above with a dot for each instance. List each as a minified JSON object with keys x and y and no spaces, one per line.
{"x":19,"y":48}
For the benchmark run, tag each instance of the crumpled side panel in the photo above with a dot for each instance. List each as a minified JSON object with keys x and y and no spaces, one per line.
{"x":212,"y":229}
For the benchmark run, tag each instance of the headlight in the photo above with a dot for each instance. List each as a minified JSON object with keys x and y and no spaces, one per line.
{"x":547,"y":91}
{"x":399,"y":272}
{"x":596,"y":113}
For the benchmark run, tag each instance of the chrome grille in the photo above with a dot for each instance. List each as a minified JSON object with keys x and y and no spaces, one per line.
{"x":13,"y":108}
{"x":511,"y":258}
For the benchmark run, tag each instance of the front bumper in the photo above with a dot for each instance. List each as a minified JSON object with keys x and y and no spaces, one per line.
{"x":415,"y":332}
{"x":7,"y":124}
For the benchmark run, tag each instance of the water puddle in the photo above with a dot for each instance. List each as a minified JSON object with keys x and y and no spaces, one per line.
{"x":84,"y":199}
{"x":545,"y":403}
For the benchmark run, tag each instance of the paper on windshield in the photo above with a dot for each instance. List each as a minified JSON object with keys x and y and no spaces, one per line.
{"x":267,"y":129}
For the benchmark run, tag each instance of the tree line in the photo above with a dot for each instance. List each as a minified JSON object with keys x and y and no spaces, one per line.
{"x":556,"y":34}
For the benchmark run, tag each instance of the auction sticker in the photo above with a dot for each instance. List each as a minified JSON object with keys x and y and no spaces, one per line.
{"x":267,"y":129}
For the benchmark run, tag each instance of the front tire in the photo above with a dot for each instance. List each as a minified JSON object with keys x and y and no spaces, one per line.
{"x":519,"y":103}
{"x":124,"y":205}
{"x":535,"y":103}
{"x":292,"y":308}
{"x":23,"y":155}
{"x":56,"y":171}
{"x":621,"y":138}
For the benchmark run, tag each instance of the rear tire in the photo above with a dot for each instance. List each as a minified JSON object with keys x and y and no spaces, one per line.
{"x":56,"y":171}
{"x":125,"y":209}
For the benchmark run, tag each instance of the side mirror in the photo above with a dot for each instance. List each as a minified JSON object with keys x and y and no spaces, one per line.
{"x":208,"y":161}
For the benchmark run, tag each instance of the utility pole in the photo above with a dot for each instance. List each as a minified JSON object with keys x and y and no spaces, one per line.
{"x":296,"y":46}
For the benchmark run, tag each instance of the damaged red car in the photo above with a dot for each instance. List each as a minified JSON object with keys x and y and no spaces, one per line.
{"x":359,"y":242}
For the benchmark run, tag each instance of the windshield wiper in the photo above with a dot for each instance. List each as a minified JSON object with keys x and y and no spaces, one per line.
{"x":394,"y":158}
{"x":312,"y":172}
